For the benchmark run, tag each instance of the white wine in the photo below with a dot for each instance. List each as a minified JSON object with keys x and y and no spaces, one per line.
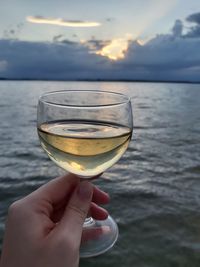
{"x":85,"y":148}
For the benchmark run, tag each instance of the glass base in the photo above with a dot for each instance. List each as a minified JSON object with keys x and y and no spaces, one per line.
{"x":98,"y":236}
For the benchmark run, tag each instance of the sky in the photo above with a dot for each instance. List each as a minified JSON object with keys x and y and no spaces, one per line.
{"x":100,"y":39}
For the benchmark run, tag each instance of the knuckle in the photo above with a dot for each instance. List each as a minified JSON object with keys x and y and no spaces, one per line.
{"x":14,"y":207}
{"x":18,"y":209}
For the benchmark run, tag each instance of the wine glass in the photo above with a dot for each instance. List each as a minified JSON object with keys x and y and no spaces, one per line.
{"x":86,"y":132}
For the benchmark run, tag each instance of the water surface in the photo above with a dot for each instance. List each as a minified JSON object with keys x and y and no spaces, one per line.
{"x":154,"y":188}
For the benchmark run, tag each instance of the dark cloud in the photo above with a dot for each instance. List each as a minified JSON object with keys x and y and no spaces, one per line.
{"x":194,"y":18}
{"x":95,"y":44}
{"x":109,"y":19}
{"x":68,"y":42}
{"x":57,"y":37}
{"x":194,"y":31}
{"x":48,"y":60}
{"x":163,"y":58}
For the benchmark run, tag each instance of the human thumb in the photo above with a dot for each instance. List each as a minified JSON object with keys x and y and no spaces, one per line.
{"x":76,"y":211}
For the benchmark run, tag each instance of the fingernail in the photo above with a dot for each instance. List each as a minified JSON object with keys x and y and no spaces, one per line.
{"x":85,"y":190}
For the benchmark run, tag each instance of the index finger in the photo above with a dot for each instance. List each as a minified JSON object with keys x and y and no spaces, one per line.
{"x":100,"y":197}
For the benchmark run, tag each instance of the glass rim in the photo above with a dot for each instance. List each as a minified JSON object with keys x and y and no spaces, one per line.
{"x":125,"y":99}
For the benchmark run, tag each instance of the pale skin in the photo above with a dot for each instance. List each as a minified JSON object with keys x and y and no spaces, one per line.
{"x":44,"y":229}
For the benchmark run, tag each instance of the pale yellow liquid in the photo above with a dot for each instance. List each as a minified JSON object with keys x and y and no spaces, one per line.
{"x":82,"y":147}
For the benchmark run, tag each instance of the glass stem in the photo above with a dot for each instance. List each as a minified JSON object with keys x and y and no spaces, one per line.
{"x":88,"y":222}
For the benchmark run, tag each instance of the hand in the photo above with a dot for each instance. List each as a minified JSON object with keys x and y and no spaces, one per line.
{"x":44,"y":229}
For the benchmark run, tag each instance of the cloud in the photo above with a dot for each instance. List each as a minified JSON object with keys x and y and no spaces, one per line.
{"x":62,"y":22}
{"x":177,"y":28}
{"x":110,"y":19}
{"x":37,"y":60}
{"x":57,"y":37}
{"x":194,"y":31}
{"x":170,"y":57}
{"x":13,"y":31}
{"x":94,"y":45}
{"x":115,"y":49}
{"x":194,"y":18}
{"x":163,"y":58}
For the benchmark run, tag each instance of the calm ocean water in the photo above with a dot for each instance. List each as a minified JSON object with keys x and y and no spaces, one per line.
{"x":154,"y":188}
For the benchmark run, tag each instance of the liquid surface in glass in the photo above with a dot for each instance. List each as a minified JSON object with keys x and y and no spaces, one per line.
{"x":85,"y":148}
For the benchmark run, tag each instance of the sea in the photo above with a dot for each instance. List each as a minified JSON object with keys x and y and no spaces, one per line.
{"x":154,"y":188}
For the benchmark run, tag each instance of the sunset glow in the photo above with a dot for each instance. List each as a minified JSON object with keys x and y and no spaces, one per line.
{"x":62,"y":22}
{"x":115,"y":50}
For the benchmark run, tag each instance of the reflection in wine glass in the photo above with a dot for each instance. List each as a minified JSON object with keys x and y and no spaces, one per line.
{"x":85,"y":133}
